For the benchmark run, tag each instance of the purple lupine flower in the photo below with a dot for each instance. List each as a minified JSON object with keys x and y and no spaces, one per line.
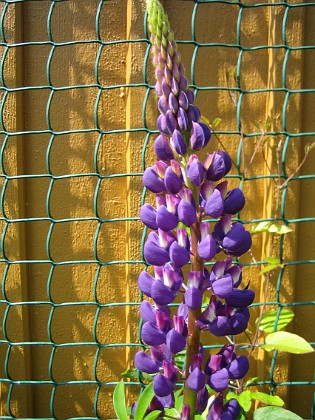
{"x":178,"y":142}
{"x":145,"y":363}
{"x":157,"y":246}
{"x":224,"y":366}
{"x":186,"y":209}
{"x":228,"y":411}
{"x":217,"y":165}
{"x":195,"y":171}
{"x":180,"y":249}
{"x":162,"y":148}
{"x":207,"y":246}
{"x":176,"y":337}
{"x":193,"y":294}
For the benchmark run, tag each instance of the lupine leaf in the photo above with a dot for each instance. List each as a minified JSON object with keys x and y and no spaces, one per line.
{"x":119,"y":401}
{"x":179,"y":403}
{"x":143,"y":402}
{"x":270,"y":227}
{"x":153,"y":415}
{"x":216,"y":122}
{"x":275,"y":413}
{"x":133,"y":374}
{"x":269,"y":318}
{"x":252,"y":380}
{"x":267,"y":399}
{"x":279,"y":229}
{"x":272,"y":263}
{"x":285,"y":341}
{"x":244,"y":399}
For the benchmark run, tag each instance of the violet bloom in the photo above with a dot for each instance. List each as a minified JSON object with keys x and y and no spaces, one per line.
{"x":224,"y":366}
{"x":217,"y":165}
{"x":229,"y":411}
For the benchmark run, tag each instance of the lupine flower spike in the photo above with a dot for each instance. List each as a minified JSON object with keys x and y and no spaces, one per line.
{"x":187,"y":191}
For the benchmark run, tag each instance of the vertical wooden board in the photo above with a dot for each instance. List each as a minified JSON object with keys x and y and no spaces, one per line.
{"x":301,"y":397}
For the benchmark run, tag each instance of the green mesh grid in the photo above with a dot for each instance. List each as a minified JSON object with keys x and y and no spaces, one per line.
{"x":8,"y":304}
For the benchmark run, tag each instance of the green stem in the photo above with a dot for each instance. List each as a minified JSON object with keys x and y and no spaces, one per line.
{"x":193,"y":338}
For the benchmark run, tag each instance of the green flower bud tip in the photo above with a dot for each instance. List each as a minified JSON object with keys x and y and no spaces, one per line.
{"x":157,"y":18}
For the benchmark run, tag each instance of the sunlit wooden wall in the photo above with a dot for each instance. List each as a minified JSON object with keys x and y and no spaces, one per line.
{"x":67,"y":189}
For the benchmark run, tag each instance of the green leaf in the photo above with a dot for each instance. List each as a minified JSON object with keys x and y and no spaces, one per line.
{"x":270,"y":227}
{"x":179,"y":392}
{"x":204,"y":120}
{"x":244,"y":399}
{"x":285,"y":341}
{"x":275,"y":413}
{"x":267,"y":399}
{"x":133,"y":374}
{"x":272,"y":260}
{"x":279,"y":229}
{"x":269,"y":319}
{"x":153,"y":415}
{"x":143,"y":402}
{"x":216,"y":122}
{"x":179,"y":403}
{"x":119,"y":401}
{"x":252,"y":380}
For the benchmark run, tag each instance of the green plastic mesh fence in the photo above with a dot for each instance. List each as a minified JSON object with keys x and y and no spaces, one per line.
{"x":282,"y":133}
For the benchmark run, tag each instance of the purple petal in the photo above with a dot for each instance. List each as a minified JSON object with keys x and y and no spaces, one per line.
{"x":195,"y":171}
{"x":175,"y":342}
{"x":162,"y":148}
{"x":202,"y":400}
{"x":183,"y":100}
{"x":183,"y":83}
{"x":240,"y":298}
{"x":220,"y":326}
{"x":216,"y":408}
{"x":193,"y":113}
{"x":147,"y":312}
{"x":161,"y":294}
{"x":145,"y":363}
{"x":162,"y":125}
{"x":151,"y":335}
{"x":152,"y":181}
{"x":215,"y":167}
{"x":237,"y":241}
{"x":223,"y":287}
{"x":238,"y":368}
{"x":207,"y":248}
{"x":167,"y":401}
{"x":154,"y":254}
{"x":193,"y":298}
{"x":215,"y":204}
{"x":186,"y":213}
{"x":162,"y":386}
{"x":148,"y":216}
{"x":173,"y":103}
{"x":179,"y":255}
{"x":173,"y":183}
{"x":145,"y":281}
{"x":238,"y":323}
{"x":163,"y":105}
{"x":207,"y":133}
{"x":219,"y":380}
{"x":182,"y":119}
{"x":231,"y":410}
{"x":171,"y":121}
{"x":196,"y":380}
{"x":227,"y":160}
{"x":197,"y":138}
{"x":166,"y":220}
{"x":190,"y":96}
{"x":234,"y":201}
{"x":179,"y":143}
